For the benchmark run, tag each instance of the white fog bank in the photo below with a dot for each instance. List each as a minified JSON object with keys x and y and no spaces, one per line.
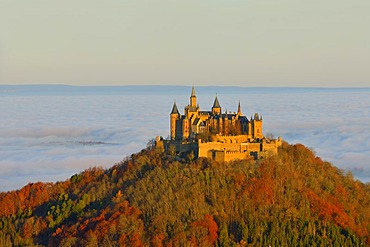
{"x":49,"y":135}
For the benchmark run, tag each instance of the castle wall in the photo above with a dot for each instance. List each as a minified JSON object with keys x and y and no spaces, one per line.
{"x":234,"y":155}
{"x":227,"y":148}
{"x":251,"y":147}
{"x":224,"y":152}
{"x":231,"y":139}
{"x":216,"y":155}
{"x":203,"y":148}
{"x":270,"y":147}
{"x":179,"y":146}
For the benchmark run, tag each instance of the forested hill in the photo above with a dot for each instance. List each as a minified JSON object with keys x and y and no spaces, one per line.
{"x":154,"y":199}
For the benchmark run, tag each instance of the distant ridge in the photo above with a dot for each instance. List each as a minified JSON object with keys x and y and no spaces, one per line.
{"x":60,"y":89}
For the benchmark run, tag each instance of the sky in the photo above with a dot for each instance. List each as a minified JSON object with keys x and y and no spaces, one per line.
{"x":168,"y":42}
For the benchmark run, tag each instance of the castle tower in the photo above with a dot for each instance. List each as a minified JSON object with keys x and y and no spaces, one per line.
{"x":216,"y":108}
{"x":257,"y":127}
{"x":193,"y":98}
{"x":174,"y":116}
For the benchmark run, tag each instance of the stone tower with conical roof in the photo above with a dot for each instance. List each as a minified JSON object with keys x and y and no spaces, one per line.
{"x":174,"y":117}
{"x":216,"y":108}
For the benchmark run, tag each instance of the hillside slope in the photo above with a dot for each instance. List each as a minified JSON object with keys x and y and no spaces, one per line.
{"x":151,"y":198}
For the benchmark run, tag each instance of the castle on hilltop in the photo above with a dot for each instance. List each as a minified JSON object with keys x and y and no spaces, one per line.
{"x":216,"y":135}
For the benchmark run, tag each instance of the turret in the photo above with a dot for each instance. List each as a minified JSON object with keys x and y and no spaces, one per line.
{"x":216,"y":108}
{"x":174,"y":116}
{"x":256,"y":116}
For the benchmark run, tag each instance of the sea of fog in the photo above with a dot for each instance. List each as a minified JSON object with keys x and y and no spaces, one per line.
{"x":49,"y":133}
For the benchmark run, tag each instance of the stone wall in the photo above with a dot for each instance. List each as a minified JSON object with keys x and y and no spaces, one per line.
{"x":227,"y":148}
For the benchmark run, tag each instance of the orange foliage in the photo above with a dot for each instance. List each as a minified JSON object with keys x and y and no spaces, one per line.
{"x":262,"y":191}
{"x":331,"y":210}
{"x":100,"y":225}
{"x":157,"y":240}
{"x":27,"y":230}
{"x":209,"y":224}
{"x":30,"y":196}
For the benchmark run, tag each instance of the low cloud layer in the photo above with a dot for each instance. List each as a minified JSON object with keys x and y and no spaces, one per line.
{"x":50,"y":138}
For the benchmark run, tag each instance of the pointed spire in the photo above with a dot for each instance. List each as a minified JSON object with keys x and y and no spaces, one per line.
{"x":193,"y":91}
{"x":174,"y":109}
{"x":239,"y":109}
{"x":216,"y":104}
{"x":193,"y":98}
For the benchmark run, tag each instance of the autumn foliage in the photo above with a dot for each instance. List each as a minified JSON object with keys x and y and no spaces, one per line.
{"x":156,"y":199}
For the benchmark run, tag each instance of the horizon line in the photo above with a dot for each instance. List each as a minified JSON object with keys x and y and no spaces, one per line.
{"x":182,"y":85}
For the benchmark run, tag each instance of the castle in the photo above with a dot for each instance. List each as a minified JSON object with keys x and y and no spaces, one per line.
{"x":216,"y":135}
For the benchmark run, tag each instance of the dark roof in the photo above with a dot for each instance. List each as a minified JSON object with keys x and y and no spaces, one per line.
{"x":205,"y":112}
{"x":174,"y":109}
{"x":244,"y":119}
{"x":191,"y":108}
{"x":216,"y":104}
{"x":226,"y":116}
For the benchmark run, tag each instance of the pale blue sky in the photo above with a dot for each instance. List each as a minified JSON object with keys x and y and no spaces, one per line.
{"x":220,"y":42}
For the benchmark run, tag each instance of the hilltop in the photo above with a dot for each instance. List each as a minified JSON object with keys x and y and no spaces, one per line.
{"x":153,"y":198}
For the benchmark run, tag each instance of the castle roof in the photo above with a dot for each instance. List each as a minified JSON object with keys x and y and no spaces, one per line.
{"x":197,"y":120}
{"x":216,"y":104}
{"x":243,"y":119}
{"x":174,"y":109}
{"x":205,"y":112}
